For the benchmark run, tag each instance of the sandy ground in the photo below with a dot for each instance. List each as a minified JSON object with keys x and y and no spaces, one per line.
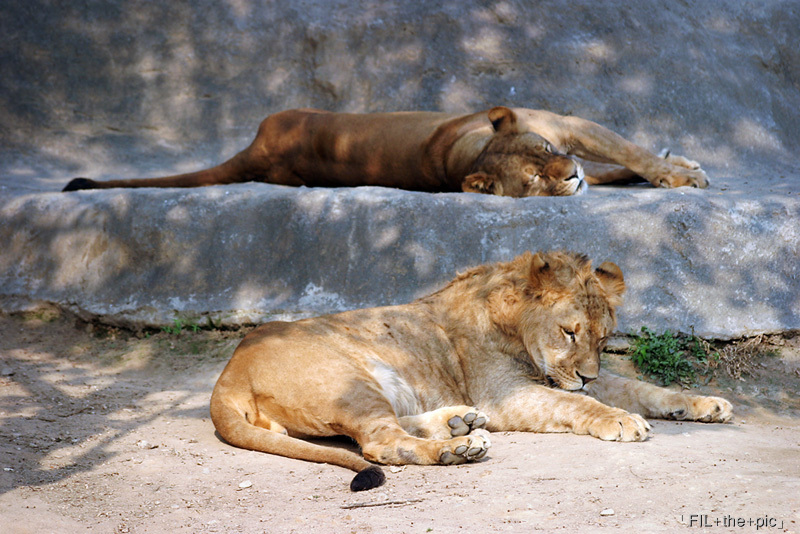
{"x":108,"y":432}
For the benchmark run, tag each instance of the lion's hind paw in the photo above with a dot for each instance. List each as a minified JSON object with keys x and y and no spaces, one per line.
{"x":698,"y":408}
{"x":461,"y":425}
{"x":466,"y":449}
{"x":712,"y":410}
{"x":680,"y":161}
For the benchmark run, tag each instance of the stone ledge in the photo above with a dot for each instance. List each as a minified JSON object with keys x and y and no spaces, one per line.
{"x":722,"y":266}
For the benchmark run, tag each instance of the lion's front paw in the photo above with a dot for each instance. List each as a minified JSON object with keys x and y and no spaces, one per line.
{"x":466,"y":449}
{"x":461,"y":425}
{"x":621,"y":426}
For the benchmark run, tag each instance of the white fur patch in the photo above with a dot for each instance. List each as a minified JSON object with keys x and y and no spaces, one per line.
{"x":582,"y":185}
{"x":398,"y":391}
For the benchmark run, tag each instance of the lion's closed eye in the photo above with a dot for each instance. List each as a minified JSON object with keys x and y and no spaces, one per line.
{"x":569,"y":334}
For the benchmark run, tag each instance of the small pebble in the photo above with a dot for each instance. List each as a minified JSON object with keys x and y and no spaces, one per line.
{"x":245,"y":484}
{"x":144,"y":444}
{"x":607,"y":512}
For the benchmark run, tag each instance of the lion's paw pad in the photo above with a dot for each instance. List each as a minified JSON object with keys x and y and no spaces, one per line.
{"x":461,"y":425}
{"x":466,"y":449}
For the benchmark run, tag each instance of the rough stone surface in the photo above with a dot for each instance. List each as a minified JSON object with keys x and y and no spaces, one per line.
{"x":692,"y":260}
{"x":118,"y":89}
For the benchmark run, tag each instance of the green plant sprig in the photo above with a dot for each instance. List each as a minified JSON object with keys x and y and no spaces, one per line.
{"x":670,"y":358}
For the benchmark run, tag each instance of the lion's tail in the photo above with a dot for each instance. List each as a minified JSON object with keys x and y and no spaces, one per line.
{"x":235,"y":170}
{"x":234,"y":428}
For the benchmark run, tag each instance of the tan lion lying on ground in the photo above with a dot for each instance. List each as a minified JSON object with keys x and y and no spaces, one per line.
{"x":501,"y":348}
{"x":513,"y":152}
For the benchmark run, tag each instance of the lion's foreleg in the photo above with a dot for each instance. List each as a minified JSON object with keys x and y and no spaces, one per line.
{"x":653,"y":401}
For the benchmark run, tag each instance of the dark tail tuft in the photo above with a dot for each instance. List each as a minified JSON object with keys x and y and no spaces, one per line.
{"x":368,"y":478}
{"x":77,"y":184}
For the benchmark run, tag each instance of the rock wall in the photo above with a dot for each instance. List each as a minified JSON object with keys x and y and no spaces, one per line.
{"x":113,"y":88}
{"x":120,"y":88}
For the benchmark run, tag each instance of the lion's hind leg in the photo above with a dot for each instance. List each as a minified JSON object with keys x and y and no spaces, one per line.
{"x":241,"y":425}
{"x":445,"y":423}
{"x":259,"y":420}
{"x":653,"y":401}
{"x":388,"y":443}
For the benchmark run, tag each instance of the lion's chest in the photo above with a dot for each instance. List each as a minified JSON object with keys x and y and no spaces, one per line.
{"x":397,"y":390}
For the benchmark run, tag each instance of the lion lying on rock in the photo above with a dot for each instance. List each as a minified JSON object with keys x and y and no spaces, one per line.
{"x":512,"y":152}
{"x":503,"y":347}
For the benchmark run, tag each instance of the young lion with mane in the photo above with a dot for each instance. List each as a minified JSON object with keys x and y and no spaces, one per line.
{"x":503,"y":347}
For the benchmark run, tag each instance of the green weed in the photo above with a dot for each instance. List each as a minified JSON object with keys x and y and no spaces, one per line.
{"x":670,"y":358}
{"x":178,"y":326}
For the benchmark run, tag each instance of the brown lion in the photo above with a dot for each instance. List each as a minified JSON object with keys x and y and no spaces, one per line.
{"x":512,"y":152}
{"x":503,"y":347}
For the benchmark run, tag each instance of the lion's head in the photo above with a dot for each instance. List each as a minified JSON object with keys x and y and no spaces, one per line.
{"x":571,"y":316}
{"x":562,"y":311}
{"x":515,"y":163}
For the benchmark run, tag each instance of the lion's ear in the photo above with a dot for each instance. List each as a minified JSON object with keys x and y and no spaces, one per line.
{"x":550,"y":273}
{"x":543,"y":272}
{"x":480,"y":182}
{"x":610,"y":276}
{"x":502,"y":119}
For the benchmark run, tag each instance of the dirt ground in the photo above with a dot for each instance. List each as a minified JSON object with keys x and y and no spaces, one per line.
{"x":104,"y":431}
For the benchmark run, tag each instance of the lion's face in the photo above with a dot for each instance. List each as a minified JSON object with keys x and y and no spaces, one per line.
{"x":571,"y":316}
{"x":524,"y":165}
{"x":516,"y":163}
